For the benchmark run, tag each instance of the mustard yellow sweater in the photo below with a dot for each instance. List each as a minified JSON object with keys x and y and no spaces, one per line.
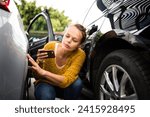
{"x":70,"y":70}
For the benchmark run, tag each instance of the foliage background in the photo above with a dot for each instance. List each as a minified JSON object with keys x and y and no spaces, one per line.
{"x":29,"y":9}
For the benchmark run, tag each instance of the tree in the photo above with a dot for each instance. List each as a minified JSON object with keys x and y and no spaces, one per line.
{"x":28,"y":10}
{"x":59,"y":20}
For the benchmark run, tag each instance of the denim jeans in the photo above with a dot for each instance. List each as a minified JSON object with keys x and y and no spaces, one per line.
{"x":45,"y":91}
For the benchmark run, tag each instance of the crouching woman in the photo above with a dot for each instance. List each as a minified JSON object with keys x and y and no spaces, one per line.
{"x":57,"y":76}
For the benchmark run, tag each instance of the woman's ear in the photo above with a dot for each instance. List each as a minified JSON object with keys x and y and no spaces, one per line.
{"x":81,"y":45}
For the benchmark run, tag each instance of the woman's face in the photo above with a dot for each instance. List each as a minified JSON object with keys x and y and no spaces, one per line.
{"x":71,"y":39}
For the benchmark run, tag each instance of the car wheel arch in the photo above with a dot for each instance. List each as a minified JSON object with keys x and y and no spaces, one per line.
{"x":102,"y":49}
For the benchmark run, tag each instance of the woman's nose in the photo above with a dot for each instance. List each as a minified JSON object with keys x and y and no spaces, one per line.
{"x":69,"y":40}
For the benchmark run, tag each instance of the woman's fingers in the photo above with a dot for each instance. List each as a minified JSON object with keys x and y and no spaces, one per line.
{"x":40,"y":50}
{"x":31,"y":60}
{"x":42,"y":55}
{"x":28,"y":56}
{"x":35,"y":67}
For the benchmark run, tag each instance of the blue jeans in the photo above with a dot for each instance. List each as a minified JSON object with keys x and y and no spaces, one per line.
{"x":45,"y":91}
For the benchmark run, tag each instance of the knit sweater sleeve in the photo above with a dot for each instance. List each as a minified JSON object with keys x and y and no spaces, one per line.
{"x":71,"y":73}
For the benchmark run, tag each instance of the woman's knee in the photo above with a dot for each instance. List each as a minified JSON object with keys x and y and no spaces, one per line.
{"x":76,"y":85}
{"x":74,"y":90}
{"x":44,"y":91}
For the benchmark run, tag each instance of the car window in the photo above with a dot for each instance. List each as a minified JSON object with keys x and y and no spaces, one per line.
{"x":39,"y":28}
{"x":58,"y":36}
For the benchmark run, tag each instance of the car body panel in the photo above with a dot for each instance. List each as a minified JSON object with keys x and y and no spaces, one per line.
{"x":13,"y":50}
{"x":126,"y":14}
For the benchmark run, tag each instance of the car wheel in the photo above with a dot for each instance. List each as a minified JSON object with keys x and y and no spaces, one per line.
{"x":123,"y":75}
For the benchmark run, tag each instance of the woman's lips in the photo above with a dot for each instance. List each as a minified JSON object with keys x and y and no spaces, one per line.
{"x":67,"y":46}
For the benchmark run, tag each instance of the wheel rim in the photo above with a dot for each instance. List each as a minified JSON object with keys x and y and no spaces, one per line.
{"x":116,"y":84}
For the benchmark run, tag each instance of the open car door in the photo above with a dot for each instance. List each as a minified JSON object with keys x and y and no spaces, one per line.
{"x":40,"y":31}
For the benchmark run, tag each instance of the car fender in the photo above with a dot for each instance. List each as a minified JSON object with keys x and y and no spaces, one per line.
{"x":113,"y":40}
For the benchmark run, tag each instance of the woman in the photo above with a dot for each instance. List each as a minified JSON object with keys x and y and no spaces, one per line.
{"x":58,"y":76}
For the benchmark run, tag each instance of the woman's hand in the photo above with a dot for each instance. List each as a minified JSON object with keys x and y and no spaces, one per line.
{"x":42,"y":54}
{"x":35,"y":67}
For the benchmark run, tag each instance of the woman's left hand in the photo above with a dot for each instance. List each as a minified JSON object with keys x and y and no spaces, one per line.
{"x":35,"y":67}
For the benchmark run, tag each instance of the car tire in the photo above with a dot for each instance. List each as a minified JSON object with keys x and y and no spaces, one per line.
{"x":123,"y":75}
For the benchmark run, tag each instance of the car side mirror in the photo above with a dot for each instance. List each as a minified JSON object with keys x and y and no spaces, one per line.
{"x":92,"y":30}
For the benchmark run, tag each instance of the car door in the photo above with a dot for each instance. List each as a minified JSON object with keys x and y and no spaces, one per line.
{"x":40,"y":31}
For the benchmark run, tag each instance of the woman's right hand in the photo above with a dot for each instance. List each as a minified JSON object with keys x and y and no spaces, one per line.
{"x":35,"y":67}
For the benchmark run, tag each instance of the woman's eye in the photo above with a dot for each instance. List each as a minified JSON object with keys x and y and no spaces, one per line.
{"x":75,"y":40}
{"x":67,"y":36}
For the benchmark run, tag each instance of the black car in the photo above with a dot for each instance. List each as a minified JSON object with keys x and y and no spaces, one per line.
{"x":117,"y":65}
{"x":118,"y":49}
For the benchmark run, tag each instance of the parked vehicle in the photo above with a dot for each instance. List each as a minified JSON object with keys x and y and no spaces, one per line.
{"x":13,"y":50}
{"x":118,"y":49}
